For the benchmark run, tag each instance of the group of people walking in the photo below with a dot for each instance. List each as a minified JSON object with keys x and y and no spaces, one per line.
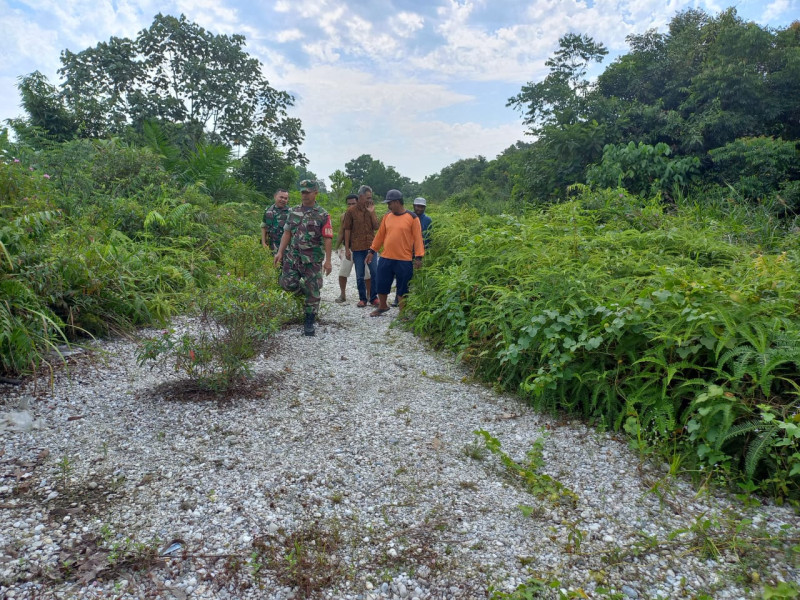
{"x":383,"y":251}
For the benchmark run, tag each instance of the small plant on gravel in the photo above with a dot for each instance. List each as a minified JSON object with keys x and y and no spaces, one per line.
{"x":304,"y":559}
{"x":539,"y":484}
{"x":65,"y":468}
{"x":530,"y":590}
{"x":475,"y":450}
{"x":783,"y":591}
{"x":236,"y":317}
{"x":575,"y":537}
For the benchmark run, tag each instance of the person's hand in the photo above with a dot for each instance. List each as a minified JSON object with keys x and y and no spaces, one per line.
{"x":278,"y":258}
{"x":371,"y":206}
{"x":417,"y":263}
{"x":263,"y":243}
{"x":327,"y":267}
{"x":368,"y":258}
{"x":348,"y":255}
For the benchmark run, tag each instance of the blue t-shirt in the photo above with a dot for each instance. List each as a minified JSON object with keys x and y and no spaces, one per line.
{"x":425,"y":221}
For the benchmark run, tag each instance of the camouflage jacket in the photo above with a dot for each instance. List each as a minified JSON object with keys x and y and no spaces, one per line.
{"x":274,"y":221}
{"x":308,"y":227}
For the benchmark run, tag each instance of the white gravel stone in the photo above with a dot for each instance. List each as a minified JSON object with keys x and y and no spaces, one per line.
{"x":360,"y":430}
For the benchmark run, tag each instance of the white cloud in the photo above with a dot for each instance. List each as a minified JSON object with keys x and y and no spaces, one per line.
{"x":347,"y":113}
{"x":288,"y":35}
{"x":329,"y":93}
{"x":406,"y":24}
{"x":26,"y":44}
{"x":777,"y":9}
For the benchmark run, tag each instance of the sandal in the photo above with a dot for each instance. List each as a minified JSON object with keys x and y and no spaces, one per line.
{"x":361,"y":304}
{"x":378,"y":312}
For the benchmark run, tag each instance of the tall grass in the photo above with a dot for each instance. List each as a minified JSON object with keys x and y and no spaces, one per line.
{"x":97,"y":238}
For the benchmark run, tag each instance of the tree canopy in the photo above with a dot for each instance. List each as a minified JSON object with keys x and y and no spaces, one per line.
{"x":704,"y":83}
{"x":366,"y":170}
{"x":173,"y":72}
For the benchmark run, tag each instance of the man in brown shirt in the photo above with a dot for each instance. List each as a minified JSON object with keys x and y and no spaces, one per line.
{"x":359,"y":224}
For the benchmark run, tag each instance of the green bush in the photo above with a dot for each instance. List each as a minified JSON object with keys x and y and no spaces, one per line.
{"x":236,"y":317}
{"x":95,"y":237}
{"x":611,"y":308}
{"x":643,"y":169}
{"x":756,"y":167}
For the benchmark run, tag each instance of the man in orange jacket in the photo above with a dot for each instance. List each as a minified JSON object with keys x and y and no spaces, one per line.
{"x":400,"y":236}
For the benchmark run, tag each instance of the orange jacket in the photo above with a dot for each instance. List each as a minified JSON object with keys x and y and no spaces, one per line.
{"x":400,"y":236}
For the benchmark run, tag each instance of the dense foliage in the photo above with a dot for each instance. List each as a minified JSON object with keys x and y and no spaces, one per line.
{"x":678,"y":327}
{"x":707,"y":94}
{"x":99,"y":237}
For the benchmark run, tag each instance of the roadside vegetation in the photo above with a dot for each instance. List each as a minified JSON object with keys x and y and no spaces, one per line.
{"x":637,"y":264}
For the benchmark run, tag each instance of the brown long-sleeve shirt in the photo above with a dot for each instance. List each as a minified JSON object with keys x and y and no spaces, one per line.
{"x":362,"y":225}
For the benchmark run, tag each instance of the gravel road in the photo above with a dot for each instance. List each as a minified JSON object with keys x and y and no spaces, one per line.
{"x":349,"y":469}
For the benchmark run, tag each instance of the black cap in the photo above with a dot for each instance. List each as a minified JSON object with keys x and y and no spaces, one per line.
{"x":393,"y":195}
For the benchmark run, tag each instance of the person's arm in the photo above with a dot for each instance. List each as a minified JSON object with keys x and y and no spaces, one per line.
{"x":287,"y":235}
{"x":347,"y":253}
{"x":377,"y":242}
{"x":327,"y":266}
{"x":347,"y":228}
{"x":327,"y":242}
{"x":264,"y":236}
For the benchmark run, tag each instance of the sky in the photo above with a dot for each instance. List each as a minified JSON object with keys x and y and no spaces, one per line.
{"x":416,"y":84}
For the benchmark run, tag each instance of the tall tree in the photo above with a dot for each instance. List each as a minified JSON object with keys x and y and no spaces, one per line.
{"x":341,"y":185}
{"x":47,"y":114}
{"x":560,"y":98}
{"x":176,"y":71}
{"x":266,"y":167}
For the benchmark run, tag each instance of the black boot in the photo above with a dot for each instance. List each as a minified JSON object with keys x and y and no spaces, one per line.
{"x":308,"y":327}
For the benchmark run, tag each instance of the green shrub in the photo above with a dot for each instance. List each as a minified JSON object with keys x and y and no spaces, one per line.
{"x":95,"y":238}
{"x":611,"y":308}
{"x":643,"y":169}
{"x":756,"y":167}
{"x":236,"y":317}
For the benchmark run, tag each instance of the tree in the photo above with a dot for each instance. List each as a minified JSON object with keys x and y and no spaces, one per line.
{"x":176,"y":71}
{"x":366,"y":170}
{"x":47,"y":113}
{"x":699,"y":86}
{"x":341,"y":186}
{"x":560,"y":98}
{"x":455,"y":178}
{"x":266,"y":167}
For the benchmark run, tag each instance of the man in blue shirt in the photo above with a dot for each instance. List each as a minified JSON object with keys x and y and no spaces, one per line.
{"x":424,"y":220}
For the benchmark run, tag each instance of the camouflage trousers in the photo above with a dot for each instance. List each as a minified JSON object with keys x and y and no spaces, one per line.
{"x":305,"y":279}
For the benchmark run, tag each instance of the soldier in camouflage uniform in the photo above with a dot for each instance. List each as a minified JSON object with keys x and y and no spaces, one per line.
{"x":307,"y":240}
{"x":274,"y":220}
